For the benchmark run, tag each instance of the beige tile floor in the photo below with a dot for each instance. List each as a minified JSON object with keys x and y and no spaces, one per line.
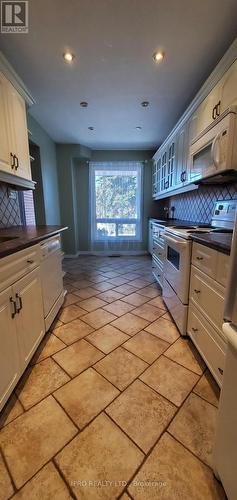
{"x":114,"y":404}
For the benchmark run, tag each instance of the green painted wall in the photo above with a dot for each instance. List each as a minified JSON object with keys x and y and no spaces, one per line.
{"x":48,"y":170}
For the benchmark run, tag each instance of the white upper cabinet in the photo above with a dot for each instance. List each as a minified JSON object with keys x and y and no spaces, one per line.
{"x":14,"y":147}
{"x":208,"y":110}
{"x":6,"y":160}
{"x":228,"y":88}
{"x":181,"y":156}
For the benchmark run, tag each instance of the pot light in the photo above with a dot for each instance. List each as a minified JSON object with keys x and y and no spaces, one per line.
{"x":138,"y":128}
{"x":158,"y":56}
{"x":83,"y":104}
{"x":145,"y":104}
{"x":90,"y":128}
{"x":68,"y":57}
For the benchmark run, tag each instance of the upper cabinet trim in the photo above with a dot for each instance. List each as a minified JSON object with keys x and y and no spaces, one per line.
{"x":11,"y":75}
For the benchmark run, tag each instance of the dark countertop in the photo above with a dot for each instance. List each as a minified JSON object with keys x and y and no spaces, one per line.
{"x":175,"y":222}
{"x":25,"y":236}
{"x":218,"y":241}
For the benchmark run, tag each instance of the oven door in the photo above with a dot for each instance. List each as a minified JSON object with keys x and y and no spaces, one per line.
{"x":177,"y":265}
{"x":212,"y":152}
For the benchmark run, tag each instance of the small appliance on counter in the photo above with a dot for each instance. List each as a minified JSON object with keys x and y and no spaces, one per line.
{"x":177,"y":258}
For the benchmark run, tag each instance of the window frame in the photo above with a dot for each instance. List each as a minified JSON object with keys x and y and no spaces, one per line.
{"x":117,"y":166}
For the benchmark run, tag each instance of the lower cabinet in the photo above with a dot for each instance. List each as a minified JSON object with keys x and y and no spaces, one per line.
{"x":21,"y":329}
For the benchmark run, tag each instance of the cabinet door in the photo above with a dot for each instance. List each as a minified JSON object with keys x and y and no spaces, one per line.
{"x":228,"y":88}
{"x":163,"y":175}
{"x":154,"y":179}
{"x":171,"y":165}
{"x":19,"y":134}
{"x":5,"y":157}
{"x":29,"y":320}
{"x":181,"y":156}
{"x":205,"y":110}
{"x":9,"y":358}
{"x":150,"y":237}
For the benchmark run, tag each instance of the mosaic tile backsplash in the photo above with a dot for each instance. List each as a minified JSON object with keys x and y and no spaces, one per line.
{"x":197,"y":206}
{"x":9,"y":209}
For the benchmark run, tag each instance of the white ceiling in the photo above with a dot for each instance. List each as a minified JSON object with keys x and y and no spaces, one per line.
{"x":114,"y":41}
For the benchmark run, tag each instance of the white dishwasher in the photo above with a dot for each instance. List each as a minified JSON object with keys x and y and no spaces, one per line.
{"x":51,"y":278}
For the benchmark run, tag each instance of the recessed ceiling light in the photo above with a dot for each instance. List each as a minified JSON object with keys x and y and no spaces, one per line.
{"x":68,"y":56}
{"x":158,"y":56}
{"x":91,"y":128}
{"x":83,"y":104}
{"x":145,"y":104}
{"x":139,"y":128}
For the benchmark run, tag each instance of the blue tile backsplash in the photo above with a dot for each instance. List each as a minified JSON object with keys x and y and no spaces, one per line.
{"x":197,"y":206}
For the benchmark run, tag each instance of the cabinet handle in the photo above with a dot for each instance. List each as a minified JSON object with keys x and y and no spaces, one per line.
{"x":12,"y":160}
{"x":19,"y":300}
{"x":13,"y":305}
{"x":196,"y":290}
{"x":214,"y":113}
{"x":194,"y":329}
{"x":218,"y":105}
{"x":30,"y":261}
{"x":166,"y":184}
{"x":220,"y":370}
{"x":17,"y":162}
{"x":199,"y":258}
{"x":184,"y":176}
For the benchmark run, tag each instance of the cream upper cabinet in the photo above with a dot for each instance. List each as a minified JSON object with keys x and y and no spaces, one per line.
{"x":14,"y":147}
{"x":180,"y":156}
{"x":29,"y":320}
{"x":6,"y":159}
{"x":19,"y":133}
{"x":208,"y":109}
{"x":228,"y":88}
{"x":9,"y":357}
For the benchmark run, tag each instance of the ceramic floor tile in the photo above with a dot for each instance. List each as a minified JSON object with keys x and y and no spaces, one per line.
{"x":6,"y":488}
{"x":11,"y":410}
{"x":99,"y":318}
{"x":73,"y":331}
{"x":92,"y":304}
{"x":142,"y":414}
{"x":168,"y":316}
{"x":86,"y":396}
{"x":118,"y":281}
{"x":150,"y":291}
{"x":185,"y":353}
{"x":125,"y":289}
{"x":170,"y":379}
{"x":130,"y":324}
{"x":39,"y":381}
{"x":86,"y":293}
{"x":103,"y":287}
{"x":175,"y":473}
{"x":135,"y":299}
{"x":208,"y":389}
{"x":80,"y":283}
{"x":125,"y":497}
{"x":164,"y":329}
{"x":88,"y":456}
{"x":70,"y":299}
{"x":56,"y":323}
{"x":49,"y":345}
{"x":110,"y":296}
{"x":194,"y":426}
{"x":119,"y":308}
{"x":120,"y":367}
{"x":150,"y":313}
{"x":70,"y":313}
{"x":37,"y":429}
{"x":146,"y":346}
{"x":107,"y":338}
{"x":77,"y":357}
{"x":69,"y":288}
{"x":46,"y":485}
{"x":158,"y":302}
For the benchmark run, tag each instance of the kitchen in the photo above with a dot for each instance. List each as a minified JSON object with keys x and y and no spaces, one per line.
{"x":118,"y":248}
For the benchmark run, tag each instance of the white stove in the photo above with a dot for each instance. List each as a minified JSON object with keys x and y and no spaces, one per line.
{"x":177,"y":263}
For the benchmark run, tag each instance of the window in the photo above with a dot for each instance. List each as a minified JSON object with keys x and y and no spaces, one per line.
{"x":115,"y":201}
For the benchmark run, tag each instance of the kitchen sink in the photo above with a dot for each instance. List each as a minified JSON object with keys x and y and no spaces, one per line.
{"x":3,"y":239}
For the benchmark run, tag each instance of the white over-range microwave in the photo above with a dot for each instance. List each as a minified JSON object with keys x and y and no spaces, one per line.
{"x":214,"y":151}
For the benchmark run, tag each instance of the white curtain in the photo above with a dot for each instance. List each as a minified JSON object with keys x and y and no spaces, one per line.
{"x":116,"y":206}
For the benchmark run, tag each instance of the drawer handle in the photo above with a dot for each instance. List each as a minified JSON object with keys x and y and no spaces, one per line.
{"x":30,"y":261}
{"x":199,"y":258}
{"x":194,"y":329}
{"x":196,"y":290}
{"x":220,"y":370}
{"x":19,"y":300}
{"x":13,"y":304}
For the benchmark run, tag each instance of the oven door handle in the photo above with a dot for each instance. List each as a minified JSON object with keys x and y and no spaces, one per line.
{"x":213,"y":150}
{"x":174,"y":241}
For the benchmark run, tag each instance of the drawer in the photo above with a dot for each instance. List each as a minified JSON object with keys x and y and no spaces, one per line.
{"x":223,"y":262}
{"x":159,"y":252}
{"x":205,"y":258}
{"x":210,"y":345}
{"x":157,"y":270}
{"x":208,"y":296}
{"x":16,"y":265}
